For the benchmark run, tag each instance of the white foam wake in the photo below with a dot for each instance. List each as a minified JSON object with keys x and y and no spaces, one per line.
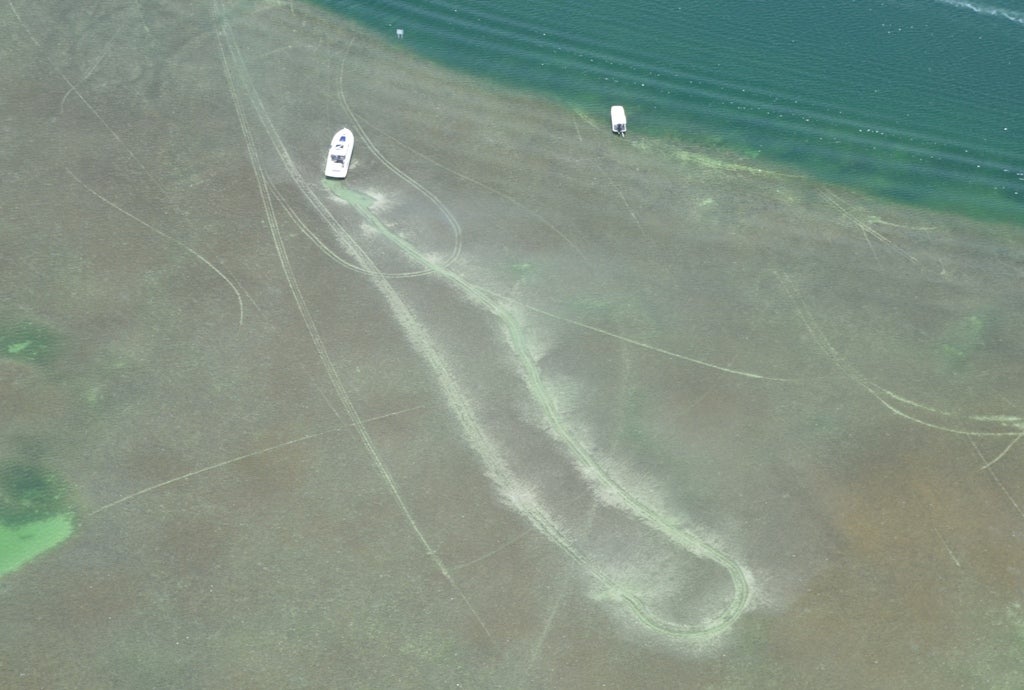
{"x":1011,"y":15}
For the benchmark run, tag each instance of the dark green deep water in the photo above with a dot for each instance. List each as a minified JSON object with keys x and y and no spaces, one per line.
{"x":920,"y":101}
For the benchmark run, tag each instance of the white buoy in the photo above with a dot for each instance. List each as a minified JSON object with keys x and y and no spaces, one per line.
{"x":400,"y":33}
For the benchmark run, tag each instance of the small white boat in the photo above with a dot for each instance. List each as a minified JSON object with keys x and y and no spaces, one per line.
{"x":340,"y":154}
{"x":619,"y":120}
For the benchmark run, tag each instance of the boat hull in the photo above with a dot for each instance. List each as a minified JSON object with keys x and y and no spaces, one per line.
{"x":619,"y":120}
{"x":339,"y":155}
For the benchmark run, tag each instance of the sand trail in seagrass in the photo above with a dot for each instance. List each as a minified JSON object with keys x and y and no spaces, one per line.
{"x":522,"y":492}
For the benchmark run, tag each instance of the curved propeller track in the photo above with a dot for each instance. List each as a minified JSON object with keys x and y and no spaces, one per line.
{"x":498,"y":467}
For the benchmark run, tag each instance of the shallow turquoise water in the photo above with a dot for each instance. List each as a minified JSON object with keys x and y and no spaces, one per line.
{"x":916,"y":100}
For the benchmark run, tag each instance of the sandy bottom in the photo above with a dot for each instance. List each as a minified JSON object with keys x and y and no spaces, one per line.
{"x":518,"y":404}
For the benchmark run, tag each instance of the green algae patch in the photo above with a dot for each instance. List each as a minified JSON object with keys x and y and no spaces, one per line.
{"x":27,"y":342}
{"x":34,"y":514}
{"x":19,"y":544}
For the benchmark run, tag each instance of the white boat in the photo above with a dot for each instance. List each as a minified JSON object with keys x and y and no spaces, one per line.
{"x":340,"y":154}
{"x":619,"y":120}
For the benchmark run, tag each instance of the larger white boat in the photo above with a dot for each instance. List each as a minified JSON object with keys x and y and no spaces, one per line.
{"x":340,"y":154}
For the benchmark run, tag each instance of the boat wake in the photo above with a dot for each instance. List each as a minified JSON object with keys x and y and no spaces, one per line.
{"x":1002,"y":13}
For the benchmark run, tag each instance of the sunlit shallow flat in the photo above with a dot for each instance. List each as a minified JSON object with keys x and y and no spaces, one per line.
{"x":479,"y":415}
